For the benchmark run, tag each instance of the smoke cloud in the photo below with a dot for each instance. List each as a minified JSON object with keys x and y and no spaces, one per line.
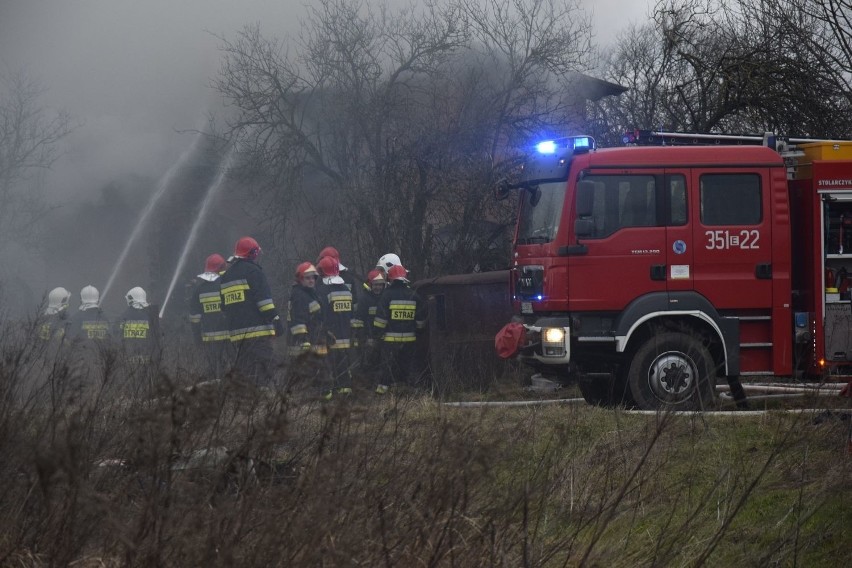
{"x":135,"y":76}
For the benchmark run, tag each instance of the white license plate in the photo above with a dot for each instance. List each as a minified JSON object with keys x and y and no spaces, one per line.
{"x":526,"y":307}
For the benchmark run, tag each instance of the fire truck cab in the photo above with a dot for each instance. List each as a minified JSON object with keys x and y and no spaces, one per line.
{"x":649,"y":272}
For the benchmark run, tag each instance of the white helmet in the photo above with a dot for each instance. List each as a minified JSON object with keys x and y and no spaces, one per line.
{"x":137,"y":298}
{"x":57,"y":300}
{"x":388,"y":260}
{"x":89,"y":297}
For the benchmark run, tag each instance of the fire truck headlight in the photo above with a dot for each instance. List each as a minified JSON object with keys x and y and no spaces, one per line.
{"x":553,"y":341}
{"x":554,"y":335}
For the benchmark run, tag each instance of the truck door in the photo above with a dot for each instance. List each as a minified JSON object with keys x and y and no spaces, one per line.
{"x":733,"y":253}
{"x":626,"y":257}
{"x":732,"y":265}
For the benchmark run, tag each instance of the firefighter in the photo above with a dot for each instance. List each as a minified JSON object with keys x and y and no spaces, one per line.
{"x":386,"y":261}
{"x":89,"y":332}
{"x":307,"y":333}
{"x":253,"y":321}
{"x":401,"y":316}
{"x":362,"y":324}
{"x":304,"y":313}
{"x":209,"y":325}
{"x":138,"y":328}
{"x":336,"y":302}
{"x":55,"y":320}
{"x":88,"y":323}
{"x":351,"y":280}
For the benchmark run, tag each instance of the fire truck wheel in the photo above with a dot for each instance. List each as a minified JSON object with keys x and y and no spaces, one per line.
{"x":597,"y":392}
{"x":674,"y":371}
{"x":604,"y":391}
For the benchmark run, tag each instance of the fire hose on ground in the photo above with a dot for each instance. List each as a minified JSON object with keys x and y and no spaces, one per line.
{"x":774,"y":392}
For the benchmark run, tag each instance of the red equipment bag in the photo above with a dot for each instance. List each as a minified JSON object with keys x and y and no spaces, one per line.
{"x":509,"y":340}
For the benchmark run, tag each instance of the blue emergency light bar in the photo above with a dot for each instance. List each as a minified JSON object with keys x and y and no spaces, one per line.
{"x":552,"y":158}
{"x":573,"y":143}
{"x":546,"y":147}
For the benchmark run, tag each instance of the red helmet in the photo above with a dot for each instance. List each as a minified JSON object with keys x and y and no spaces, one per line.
{"x":247,"y":248}
{"x":305,"y":269}
{"x":329,"y":251}
{"x":397,"y":272}
{"x":376,"y":277}
{"x":328,"y":266}
{"x":214,"y":263}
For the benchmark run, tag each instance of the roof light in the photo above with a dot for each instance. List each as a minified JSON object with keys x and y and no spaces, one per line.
{"x":582,"y":142}
{"x":546,"y":147}
{"x":575,"y":144}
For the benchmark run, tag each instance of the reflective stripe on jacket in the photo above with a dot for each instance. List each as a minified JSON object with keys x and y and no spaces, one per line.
{"x":400,"y":313}
{"x":336,"y":302}
{"x":247,"y":301}
{"x":304,"y":320}
{"x":138,"y":331}
{"x":205,"y":309}
{"x":89,"y":324}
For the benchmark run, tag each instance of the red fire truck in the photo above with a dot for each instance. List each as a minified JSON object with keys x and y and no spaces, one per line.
{"x":652,"y":271}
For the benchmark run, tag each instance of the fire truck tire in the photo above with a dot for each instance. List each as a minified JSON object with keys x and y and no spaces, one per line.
{"x":602,"y":391}
{"x":672,"y":371}
{"x":597,"y":392}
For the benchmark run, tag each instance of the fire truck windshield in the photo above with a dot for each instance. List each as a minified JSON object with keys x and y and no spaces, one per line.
{"x":541,"y":211}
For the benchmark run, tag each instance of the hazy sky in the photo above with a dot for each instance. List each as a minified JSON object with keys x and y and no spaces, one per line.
{"x":133,"y":72}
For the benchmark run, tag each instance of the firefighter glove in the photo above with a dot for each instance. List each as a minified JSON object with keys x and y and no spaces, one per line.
{"x":279,"y":326}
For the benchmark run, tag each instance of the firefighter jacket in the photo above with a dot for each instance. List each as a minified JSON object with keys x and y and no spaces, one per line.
{"x":305,"y":321}
{"x":89,"y":324}
{"x":336,"y":301}
{"x":400,"y":314}
{"x":353,"y":283}
{"x":138,"y":332}
{"x":247,"y":302}
{"x":205,"y":311}
{"x":54,"y":326}
{"x":365,"y":314}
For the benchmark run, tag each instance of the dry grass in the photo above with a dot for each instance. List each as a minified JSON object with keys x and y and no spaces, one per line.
{"x":104,"y":467}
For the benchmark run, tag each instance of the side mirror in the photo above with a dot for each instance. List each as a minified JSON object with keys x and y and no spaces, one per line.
{"x":585,"y":198}
{"x":502,"y":190}
{"x":535,"y":195}
{"x":584,"y":227}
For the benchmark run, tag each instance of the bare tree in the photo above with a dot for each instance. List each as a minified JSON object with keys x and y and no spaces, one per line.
{"x":379,"y":128}
{"x":534,"y":48}
{"x":819,"y":32}
{"x":830,"y":38}
{"x":796,"y":87}
{"x":733,"y":66}
{"x":639,"y":61}
{"x":324,"y":121}
{"x":29,"y":138}
{"x":517,"y":81}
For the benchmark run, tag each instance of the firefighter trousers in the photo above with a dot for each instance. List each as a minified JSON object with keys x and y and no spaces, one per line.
{"x":398,"y":363}
{"x":254,"y":360}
